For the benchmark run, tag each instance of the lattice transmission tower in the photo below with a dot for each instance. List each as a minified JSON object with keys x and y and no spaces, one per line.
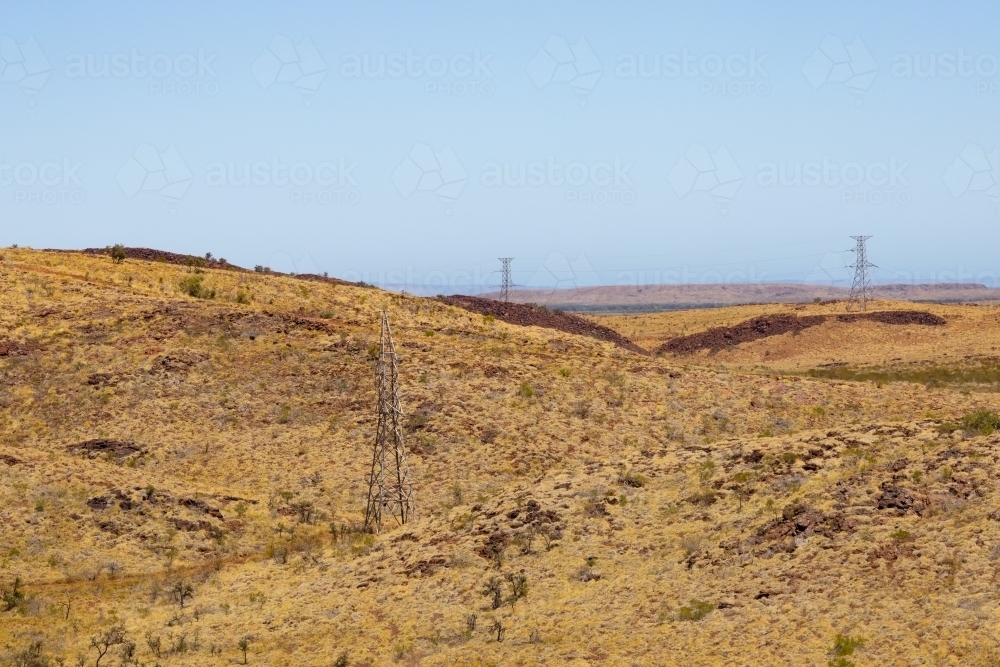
{"x":507,"y":283}
{"x":390,"y":489}
{"x":861,"y":288}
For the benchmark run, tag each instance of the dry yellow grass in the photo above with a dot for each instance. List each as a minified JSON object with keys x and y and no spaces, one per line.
{"x":972,"y":332}
{"x":796,"y":509}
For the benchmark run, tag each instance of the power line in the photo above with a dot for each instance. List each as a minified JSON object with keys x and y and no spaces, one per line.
{"x":861,"y":288}
{"x":389,"y":485}
{"x":506,"y":284}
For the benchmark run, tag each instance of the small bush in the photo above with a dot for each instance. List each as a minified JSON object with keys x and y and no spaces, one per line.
{"x":13,"y":595}
{"x":983,"y":422}
{"x":695,"y":610}
{"x":32,"y":656}
{"x":844,"y":646}
{"x":117,"y":252}
{"x":525,"y":390}
{"x":192,"y":286}
{"x":635,"y":480}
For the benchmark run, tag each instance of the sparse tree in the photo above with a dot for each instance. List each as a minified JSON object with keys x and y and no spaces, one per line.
{"x":13,"y":595}
{"x":470,"y":622}
{"x":181,"y":592}
{"x":493,"y":589}
{"x":743,"y":486}
{"x":518,"y":588}
{"x":117,"y":252}
{"x":102,"y":643}
{"x":154,"y":643}
{"x":498,"y":629}
{"x":127,"y":653}
{"x":550,"y":537}
{"x":244,"y":645}
{"x":525,"y":539}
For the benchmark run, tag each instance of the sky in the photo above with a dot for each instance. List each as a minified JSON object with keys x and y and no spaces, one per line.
{"x":413,"y":144}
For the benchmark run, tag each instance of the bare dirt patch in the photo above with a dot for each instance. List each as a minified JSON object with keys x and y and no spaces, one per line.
{"x":10,"y":348}
{"x":105,"y":446}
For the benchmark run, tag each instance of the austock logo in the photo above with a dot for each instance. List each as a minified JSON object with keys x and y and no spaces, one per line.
{"x":974,"y":170}
{"x":23,"y":64}
{"x":285,"y":62}
{"x":558,"y":272}
{"x":560,"y":62}
{"x":148,"y":170}
{"x":424,"y":170}
{"x":835,"y":62}
{"x":703,"y":171}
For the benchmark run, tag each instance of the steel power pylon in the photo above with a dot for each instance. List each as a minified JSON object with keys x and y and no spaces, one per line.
{"x":390,"y":489}
{"x":507,"y":283}
{"x":861,"y":288}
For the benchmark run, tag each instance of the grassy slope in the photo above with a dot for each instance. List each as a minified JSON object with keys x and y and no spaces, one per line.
{"x":971,"y":334}
{"x":256,"y":427}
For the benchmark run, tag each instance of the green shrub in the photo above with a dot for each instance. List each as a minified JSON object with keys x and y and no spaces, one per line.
{"x":695,"y":610}
{"x":843,"y":646}
{"x":117,"y":252}
{"x":525,"y":390}
{"x":192,"y":286}
{"x":13,"y":595}
{"x":32,"y":656}
{"x":633,"y":479}
{"x":982,"y":422}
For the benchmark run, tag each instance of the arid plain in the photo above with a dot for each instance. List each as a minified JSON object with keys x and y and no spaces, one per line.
{"x":183,"y":453}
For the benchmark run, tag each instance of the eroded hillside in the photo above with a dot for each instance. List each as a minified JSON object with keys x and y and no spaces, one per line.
{"x":183,"y":458}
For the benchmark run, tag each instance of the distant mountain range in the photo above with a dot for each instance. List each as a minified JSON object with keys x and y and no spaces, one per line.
{"x":674,"y":297}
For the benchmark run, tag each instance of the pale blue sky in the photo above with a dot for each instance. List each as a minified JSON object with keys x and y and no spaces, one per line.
{"x":396,"y":175}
